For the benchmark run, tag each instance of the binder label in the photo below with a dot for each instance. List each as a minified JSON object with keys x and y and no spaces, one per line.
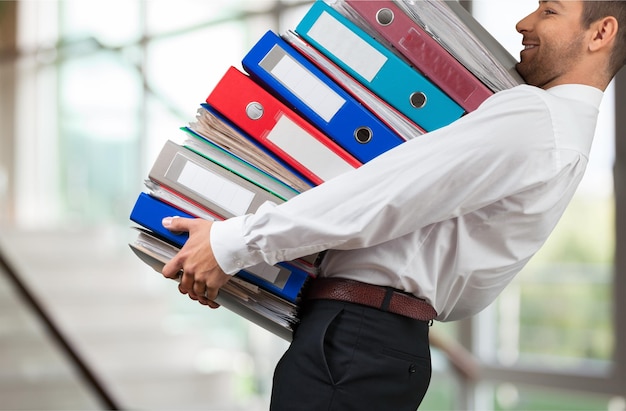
{"x":347,"y":46}
{"x":306,"y":149}
{"x":265,"y":271}
{"x":215,"y":188}
{"x":306,"y":86}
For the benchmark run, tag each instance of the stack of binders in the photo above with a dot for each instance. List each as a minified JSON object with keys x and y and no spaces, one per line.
{"x":353,"y":80}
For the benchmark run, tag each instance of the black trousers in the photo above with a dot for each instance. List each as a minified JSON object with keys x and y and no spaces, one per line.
{"x":349,"y":357}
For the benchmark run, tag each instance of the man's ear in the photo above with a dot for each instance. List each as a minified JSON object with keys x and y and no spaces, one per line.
{"x":604,"y":32}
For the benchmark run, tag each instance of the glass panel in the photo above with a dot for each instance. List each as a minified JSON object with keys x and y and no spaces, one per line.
{"x":101,"y":22}
{"x":99,"y":107}
{"x":290,"y":19}
{"x":559,"y":309}
{"x":509,"y":397}
{"x":230,"y":345}
{"x":441,"y":394}
{"x":182,"y":70}
{"x":166,"y":17}
{"x":35,"y":141}
{"x":500,"y":19}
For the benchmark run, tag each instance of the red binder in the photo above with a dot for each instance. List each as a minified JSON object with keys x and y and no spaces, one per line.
{"x":423,"y":51}
{"x":278,"y":128}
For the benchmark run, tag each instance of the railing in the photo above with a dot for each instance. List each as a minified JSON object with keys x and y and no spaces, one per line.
{"x":89,"y":377}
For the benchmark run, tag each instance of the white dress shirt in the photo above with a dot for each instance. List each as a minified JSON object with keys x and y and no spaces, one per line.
{"x":450,"y":216}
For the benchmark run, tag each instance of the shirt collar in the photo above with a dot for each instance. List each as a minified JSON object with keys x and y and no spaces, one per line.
{"x":579,"y":92}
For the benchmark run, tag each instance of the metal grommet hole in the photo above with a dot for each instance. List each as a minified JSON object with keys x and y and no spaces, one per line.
{"x":363,"y":135}
{"x":254,"y":110}
{"x":384,"y":17}
{"x":418,"y":99}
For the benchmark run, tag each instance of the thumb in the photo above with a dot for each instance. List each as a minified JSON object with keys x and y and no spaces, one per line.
{"x":176,"y":224}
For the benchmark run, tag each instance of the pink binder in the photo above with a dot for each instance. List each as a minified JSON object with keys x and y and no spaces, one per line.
{"x":422,"y":51}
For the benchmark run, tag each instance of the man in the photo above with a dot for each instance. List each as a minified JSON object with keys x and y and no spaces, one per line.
{"x":436,"y":227}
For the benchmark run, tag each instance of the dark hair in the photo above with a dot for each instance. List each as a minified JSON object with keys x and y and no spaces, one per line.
{"x":595,"y":10}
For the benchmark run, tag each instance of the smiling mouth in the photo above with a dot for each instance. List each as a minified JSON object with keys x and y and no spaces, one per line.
{"x":527,"y":48}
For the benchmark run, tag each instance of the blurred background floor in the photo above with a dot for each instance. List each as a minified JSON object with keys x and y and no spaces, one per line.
{"x":150,"y":347}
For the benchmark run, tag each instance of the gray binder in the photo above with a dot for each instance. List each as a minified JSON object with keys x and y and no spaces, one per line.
{"x":207,"y":183}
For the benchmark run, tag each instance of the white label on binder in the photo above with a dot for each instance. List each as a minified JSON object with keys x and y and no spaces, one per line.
{"x":265,"y":271}
{"x":347,"y":46}
{"x":306,"y":86}
{"x":215,"y":188}
{"x":307,"y":150}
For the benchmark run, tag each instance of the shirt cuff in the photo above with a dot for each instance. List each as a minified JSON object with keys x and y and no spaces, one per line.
{"x":228,"y":245}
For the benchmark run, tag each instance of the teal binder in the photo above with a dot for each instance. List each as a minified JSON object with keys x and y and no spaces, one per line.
{"x":377,"y":67}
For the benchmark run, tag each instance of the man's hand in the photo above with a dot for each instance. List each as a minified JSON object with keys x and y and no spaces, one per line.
{"x":201,"y":276}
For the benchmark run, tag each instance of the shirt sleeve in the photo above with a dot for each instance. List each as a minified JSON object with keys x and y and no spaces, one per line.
{"x":489,"y":154}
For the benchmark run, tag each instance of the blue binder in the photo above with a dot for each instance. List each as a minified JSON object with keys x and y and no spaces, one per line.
{"x":301,"y":85}
{"x":149,"y":211}
{"x":377,"y":67}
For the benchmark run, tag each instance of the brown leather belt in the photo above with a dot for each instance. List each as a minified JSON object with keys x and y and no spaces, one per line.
{"x":383,"y":298}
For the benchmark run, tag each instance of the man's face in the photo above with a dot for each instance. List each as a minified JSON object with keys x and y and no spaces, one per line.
{"x":553,"y":42}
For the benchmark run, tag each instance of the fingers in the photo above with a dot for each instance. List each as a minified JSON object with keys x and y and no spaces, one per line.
{"x":201,"y":276}
{"x":209,"y":303}
{"x":187,"y":283}
{"x":197,"y":286}
{"x":197,"y":289}
{"x":177,"y":224}
{"x":172,"y":269}
{"x":203,"y":300}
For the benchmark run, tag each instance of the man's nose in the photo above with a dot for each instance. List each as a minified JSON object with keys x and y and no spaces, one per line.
{"x":525,"y":24}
